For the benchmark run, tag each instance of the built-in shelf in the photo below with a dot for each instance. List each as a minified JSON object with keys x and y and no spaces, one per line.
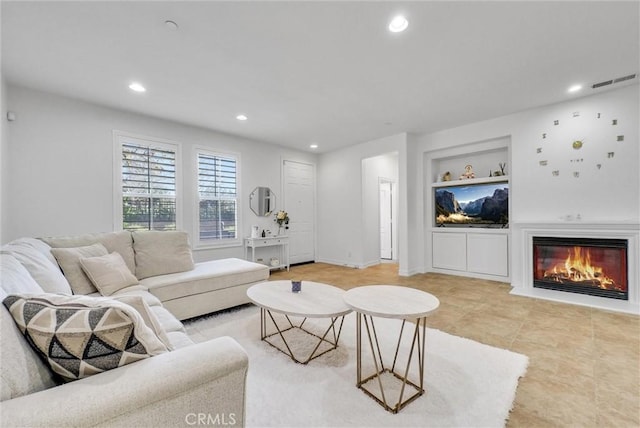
{"x":481,"y":252}
{"x":480,"y":180}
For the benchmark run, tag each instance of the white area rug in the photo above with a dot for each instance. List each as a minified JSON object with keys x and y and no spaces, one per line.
{"x":468,"y":384}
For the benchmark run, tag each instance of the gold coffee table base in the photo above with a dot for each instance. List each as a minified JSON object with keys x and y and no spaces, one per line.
{"x":265,"y":314}
{"x":374,"y":385}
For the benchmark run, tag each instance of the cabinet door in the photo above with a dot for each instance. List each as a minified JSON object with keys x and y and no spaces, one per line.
{"x":487,"y":253}
{"x":450,"y":251}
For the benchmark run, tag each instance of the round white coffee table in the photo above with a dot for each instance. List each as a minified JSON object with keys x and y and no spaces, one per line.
{"x":391,"y":301}
{"x":315,"y":300}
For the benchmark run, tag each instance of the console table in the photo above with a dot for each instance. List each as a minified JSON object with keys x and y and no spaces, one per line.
{"x":270,"y":241}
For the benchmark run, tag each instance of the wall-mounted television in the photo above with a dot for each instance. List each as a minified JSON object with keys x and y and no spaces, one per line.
{"x":472,"y":205}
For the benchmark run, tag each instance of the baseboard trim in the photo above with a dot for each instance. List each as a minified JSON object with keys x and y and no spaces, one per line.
{"x":338,"y":263}
{"x":410,"y":272}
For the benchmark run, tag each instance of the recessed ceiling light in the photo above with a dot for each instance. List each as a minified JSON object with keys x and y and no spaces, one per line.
{"x":137,"y":87}
{"x":574,"y":88}
{"x":313,"y":146}
{"x":241,"y":117}
{"x":171,"y":25}
{"x":398,"y":24}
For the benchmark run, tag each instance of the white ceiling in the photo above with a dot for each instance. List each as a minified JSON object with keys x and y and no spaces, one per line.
{"x":323,"y":72}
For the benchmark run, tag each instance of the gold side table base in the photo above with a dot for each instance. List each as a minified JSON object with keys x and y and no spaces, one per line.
{"x":372,"y":385}
{"x":331,"y":339}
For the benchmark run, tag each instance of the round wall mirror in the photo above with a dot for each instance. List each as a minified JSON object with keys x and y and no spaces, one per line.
{"x":262,"y":201}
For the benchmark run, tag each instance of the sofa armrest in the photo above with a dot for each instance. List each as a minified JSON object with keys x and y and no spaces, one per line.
{"x":171,"y":389}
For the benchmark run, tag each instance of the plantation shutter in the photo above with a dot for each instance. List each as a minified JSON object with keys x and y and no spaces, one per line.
{"x":148,"y":187}
{"x":217,"y":192}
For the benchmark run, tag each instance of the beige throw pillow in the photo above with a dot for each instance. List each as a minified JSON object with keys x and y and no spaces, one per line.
{"x":69,"y":261}
{"x":120,"y":242}
{"x":79,"y":336}
{"x":108,"y":273}
{"x":159,"y":253}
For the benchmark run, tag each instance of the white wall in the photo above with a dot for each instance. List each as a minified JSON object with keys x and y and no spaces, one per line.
{"x":411,"y":233}
{"x":341,"y":230}
{"x":61,"y":166}
{"x":605,"y":194}
{"x":57,"y":170}
{"x":4,"y":164}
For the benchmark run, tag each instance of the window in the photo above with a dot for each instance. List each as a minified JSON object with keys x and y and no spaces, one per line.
{"x":217,"y":198}
{"x":147,"y":183}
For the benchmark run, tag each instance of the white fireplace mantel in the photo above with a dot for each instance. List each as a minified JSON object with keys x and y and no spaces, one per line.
{"x":522,"y":260}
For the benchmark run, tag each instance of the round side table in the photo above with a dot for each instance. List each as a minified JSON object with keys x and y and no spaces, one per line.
{"x":406,"y":304}
{"x":315,"y":300}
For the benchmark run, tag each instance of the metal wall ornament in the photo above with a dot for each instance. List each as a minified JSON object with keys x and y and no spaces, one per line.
{"x":578,"y":144}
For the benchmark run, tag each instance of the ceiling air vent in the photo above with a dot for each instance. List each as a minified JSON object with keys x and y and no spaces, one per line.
{"x":622,"y":79}
{"x":612,"y":81}
{"x":601,"y":84}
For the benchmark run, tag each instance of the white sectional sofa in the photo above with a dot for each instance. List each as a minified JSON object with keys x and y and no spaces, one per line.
{"x":172,"y":381}
{"x":162,"y":262}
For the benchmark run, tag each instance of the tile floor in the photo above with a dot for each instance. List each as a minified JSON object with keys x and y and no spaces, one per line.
{"x":584,"y":368}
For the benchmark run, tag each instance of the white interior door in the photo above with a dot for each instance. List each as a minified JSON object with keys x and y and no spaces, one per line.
{"x":386,"y":220}
{"x":299,"y":202}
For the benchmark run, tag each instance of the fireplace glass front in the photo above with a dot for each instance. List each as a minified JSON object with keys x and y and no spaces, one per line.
{"x":597,"y":267}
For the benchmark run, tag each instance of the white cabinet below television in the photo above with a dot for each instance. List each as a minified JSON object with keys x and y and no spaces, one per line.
{"x":450,"y":251}
{"x":483,"y":254}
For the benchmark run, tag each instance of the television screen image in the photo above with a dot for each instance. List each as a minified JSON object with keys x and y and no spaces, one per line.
{"x":472,"y":205}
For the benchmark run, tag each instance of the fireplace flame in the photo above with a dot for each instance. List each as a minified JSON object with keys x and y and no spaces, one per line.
{"x":577,"y":268}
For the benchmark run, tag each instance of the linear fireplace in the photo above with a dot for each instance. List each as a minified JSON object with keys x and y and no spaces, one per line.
{"x":594,"y":266}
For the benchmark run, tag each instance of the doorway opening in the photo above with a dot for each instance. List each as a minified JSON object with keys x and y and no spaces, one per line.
{"x":387,"y":203}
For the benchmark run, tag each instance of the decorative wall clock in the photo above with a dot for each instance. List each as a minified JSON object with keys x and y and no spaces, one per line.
{"x":594,"y":122}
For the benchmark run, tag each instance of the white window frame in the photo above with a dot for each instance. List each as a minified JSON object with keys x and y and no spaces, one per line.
{"x":122,"y":137}
{"x":216,"y":243}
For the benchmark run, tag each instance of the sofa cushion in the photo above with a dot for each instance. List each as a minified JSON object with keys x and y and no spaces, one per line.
{"x":179,"y":339}
{"x":148,"y":315}
{"x":139,"y":290}
{"x":69,"y":261}
{"x":159,"y":253}
{"x":36,"y":244}
{"x":22,"y":370}
{"x":168,"y":321}
{"x":206,"y":276}
{"x":120,"y":242}
{"x":15,"y":278}
{"x":45,"y":272}
{"x":79,"y":336}
{"x":108,"y":273}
